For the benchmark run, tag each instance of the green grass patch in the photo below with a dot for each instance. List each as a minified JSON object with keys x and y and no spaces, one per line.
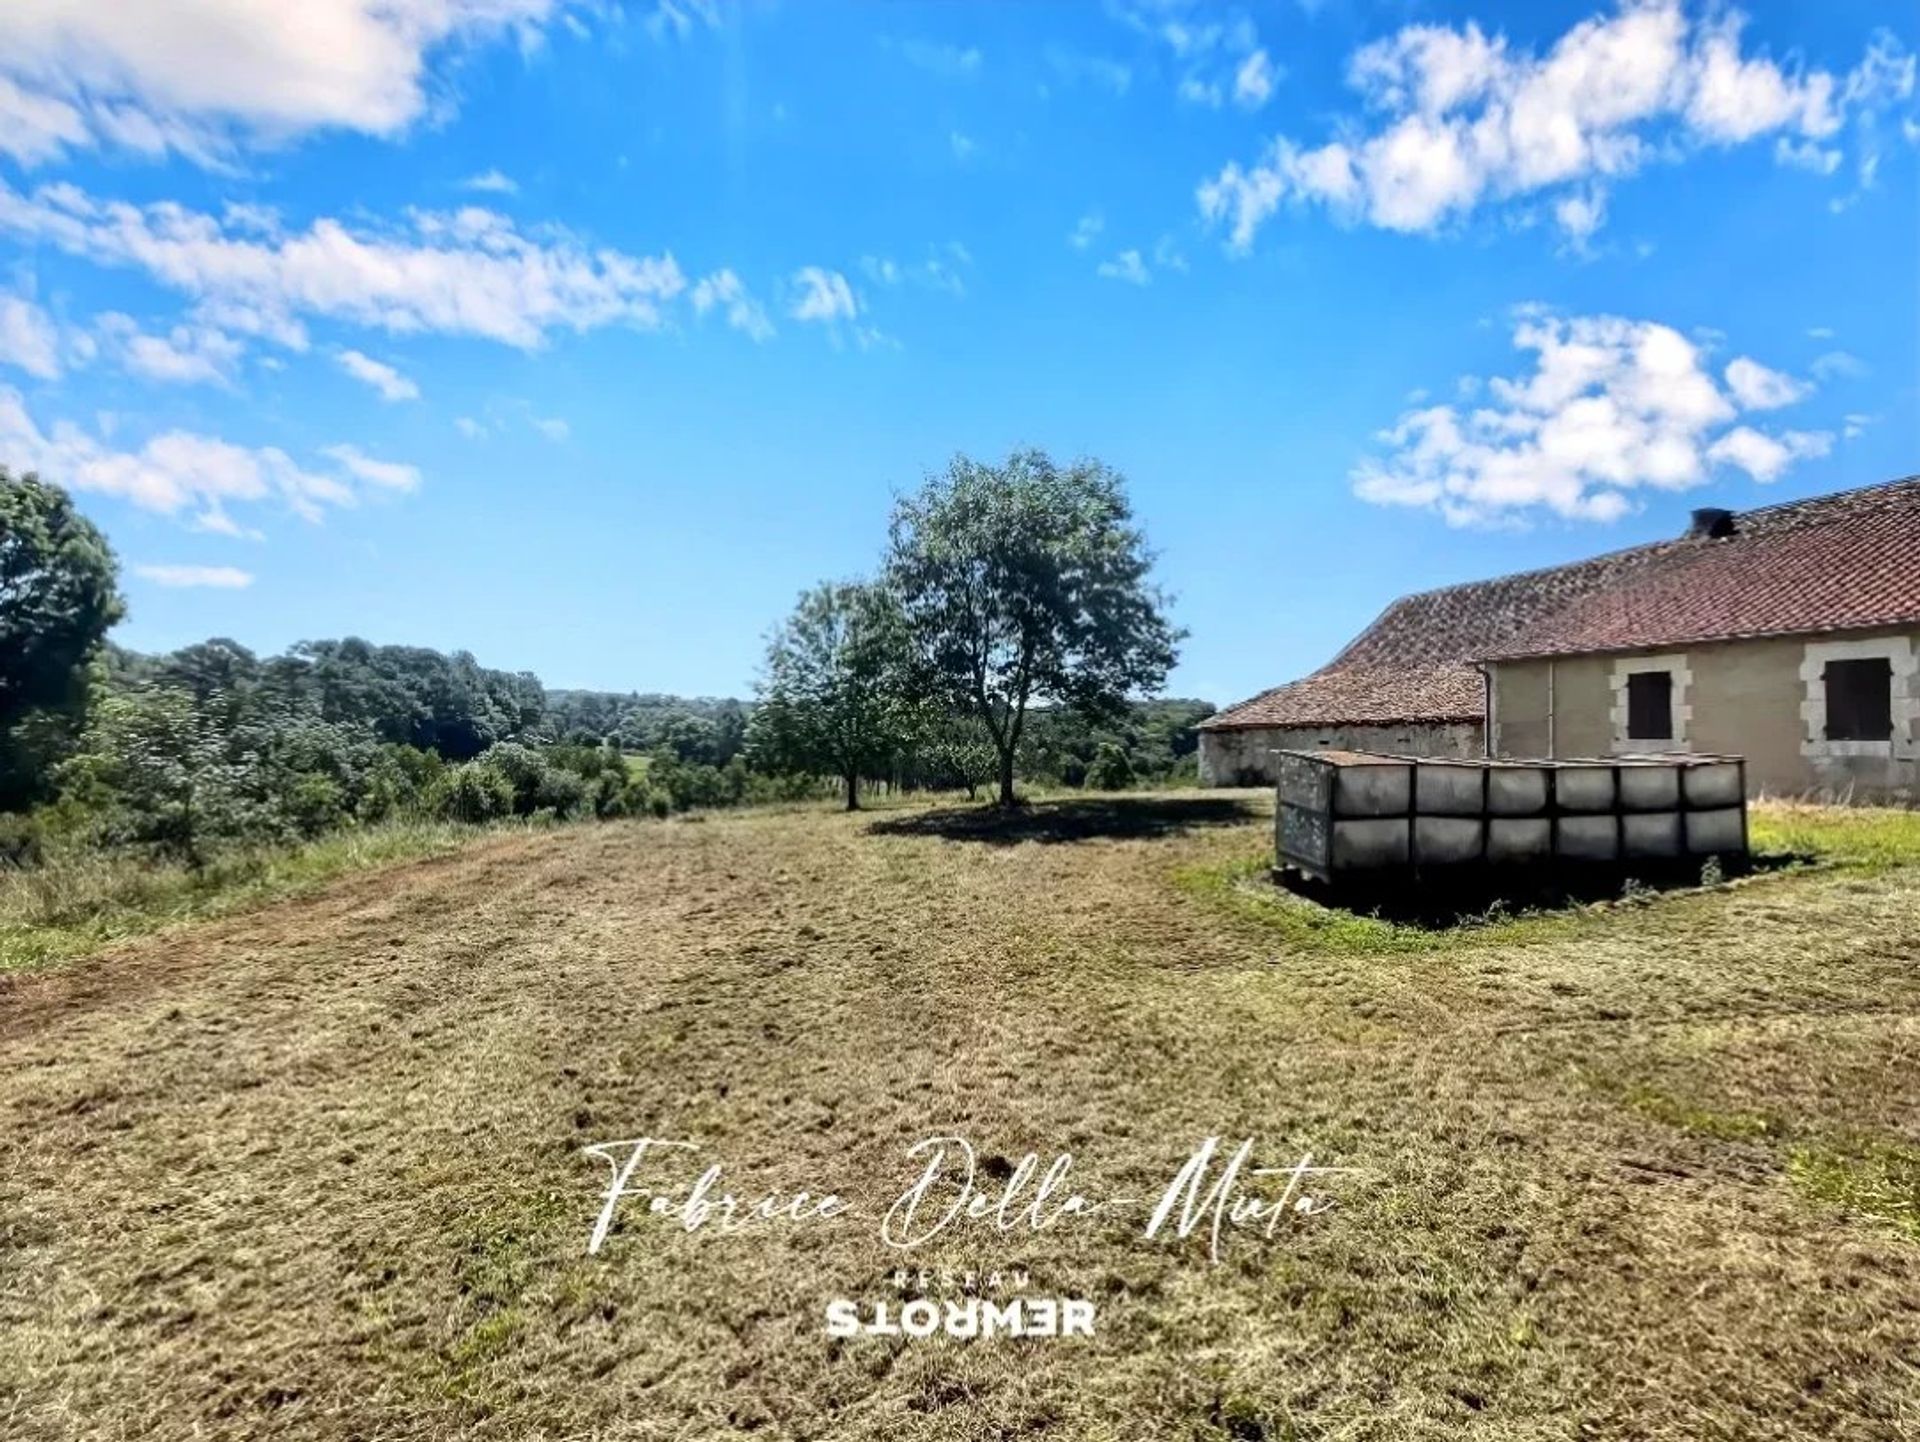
{"x":1868,"y":1176}
{"x":1875,"y":1179}
{"x":78,"y":903}
{"x":1858,"y":837}
{"x":1246,"y":887}
{"x":1703,"y":1121}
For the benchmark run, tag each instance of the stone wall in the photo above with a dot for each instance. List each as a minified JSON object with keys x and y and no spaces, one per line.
{"x":1761,"y":699}
{"x":1245,"y":757}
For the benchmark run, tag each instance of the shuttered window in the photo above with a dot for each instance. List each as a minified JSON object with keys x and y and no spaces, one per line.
{"x":1650,"y":706}
{"x":1860,"y":700}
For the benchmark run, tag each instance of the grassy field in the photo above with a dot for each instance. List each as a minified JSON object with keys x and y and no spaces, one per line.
{"x":316,"y":1169}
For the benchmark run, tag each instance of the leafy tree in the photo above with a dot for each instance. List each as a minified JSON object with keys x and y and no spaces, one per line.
{"x":959,"y":754}
{"x":832,"y":699}
{"x":160,"y":777}
{"x":475,"y":792}
{"x":1111,"y":770}
{"x":57,"y":600}
{"x":1027,"y":581}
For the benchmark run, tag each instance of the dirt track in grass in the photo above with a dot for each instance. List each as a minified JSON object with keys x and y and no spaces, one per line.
{"x":317,"y":1171}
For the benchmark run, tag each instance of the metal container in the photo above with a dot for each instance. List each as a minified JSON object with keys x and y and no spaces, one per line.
{"x":1353,"y":815}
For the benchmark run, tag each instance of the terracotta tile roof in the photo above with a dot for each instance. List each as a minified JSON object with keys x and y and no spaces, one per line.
{"x":1844,"y":562}
{"x":1338,"y":696}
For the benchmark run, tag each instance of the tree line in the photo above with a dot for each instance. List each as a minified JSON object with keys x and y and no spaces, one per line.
{"x":1010,"y":621}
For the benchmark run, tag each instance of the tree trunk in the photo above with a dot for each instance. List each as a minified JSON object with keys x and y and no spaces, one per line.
{"x":1007,"y":797}
{"x":853,"y":791}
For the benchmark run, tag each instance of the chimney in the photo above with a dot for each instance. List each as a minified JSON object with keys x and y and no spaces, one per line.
{"x":1710,"y":523}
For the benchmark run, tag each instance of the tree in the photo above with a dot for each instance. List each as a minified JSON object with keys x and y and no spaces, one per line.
{"x":959,"y":754}
{"x":833,"y":700}
{"x":161,"y":777}
{"x":1111,"y":770}
{"x":1026,"y":581}
{"x":57,"y":600}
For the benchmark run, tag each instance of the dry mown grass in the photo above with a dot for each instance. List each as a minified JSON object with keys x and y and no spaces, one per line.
{"x":316,"y":1171}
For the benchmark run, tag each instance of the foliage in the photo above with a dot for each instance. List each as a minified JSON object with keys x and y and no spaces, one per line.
{"x":1026,"y":581}
{"x":1157,"y":738}
{"x":1111,"y":771}
{"x":699,"y":729}
{"x":835,"y":697}
{"x":163,"y":778}
{"x":57,"y":599}
{"x":957,"y":753}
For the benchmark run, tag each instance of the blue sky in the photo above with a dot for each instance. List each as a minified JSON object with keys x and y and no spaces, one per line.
{"x":583,"y":336}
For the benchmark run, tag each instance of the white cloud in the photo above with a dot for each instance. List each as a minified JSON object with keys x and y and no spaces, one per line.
{"x":964,"y":146}
{"x":186,"y":355}
{"x":391,"y":385}
{"x":727,"y":291}
{"x":1127,"y":266}
{"x":172,"y":472}
{"x":1253,"y":82}
{"x":388,"y":475}
{"x":469,"y":272}
{"x":1457,"y":119}
{"x":1838,"y":365}
{"x":943,"y":269}
{"x":1765,"y":457}
{"x":491,"y":182}
{"x":204,"y":76}
{"x":1086,"y":230}
{"x":1580,"y":213}
{"x":224,"y":578}
{"x":1195,"y":91}
{"x":824,"y":296}
{"x":28,"y":338}
{"x":506,"y":413}
{"x":1757,"y":388}
{"x":1609,"y":406}
{"x":680,"y":18}
{"x":1213,"y":50}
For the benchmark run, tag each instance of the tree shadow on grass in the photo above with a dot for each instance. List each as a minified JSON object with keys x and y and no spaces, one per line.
{"x":1115,"y":818}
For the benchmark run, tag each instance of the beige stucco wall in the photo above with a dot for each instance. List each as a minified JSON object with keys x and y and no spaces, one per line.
{"x":1746,"y":698}
{"x":1245,"y":758}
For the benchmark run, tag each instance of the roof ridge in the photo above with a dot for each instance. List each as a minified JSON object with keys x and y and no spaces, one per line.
{"x":1852,"y":491}
{"x":1766,"y":510}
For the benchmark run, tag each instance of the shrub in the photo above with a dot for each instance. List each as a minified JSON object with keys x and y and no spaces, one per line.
{"x":1111,"y":770}
{"x":315,"y":804}
{"x":475,"y":792}
{"x":563,"y":793}
{"x":22,"y":840}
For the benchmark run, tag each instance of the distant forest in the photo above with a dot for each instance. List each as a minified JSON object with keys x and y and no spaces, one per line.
{"x":185,"y":751}
{"x":1013,"y":621}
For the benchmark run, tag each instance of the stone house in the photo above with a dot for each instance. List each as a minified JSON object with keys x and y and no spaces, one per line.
{"x":1789,"y":635}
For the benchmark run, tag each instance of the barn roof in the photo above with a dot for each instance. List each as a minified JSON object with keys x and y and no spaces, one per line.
{"x":1834,"y":563}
